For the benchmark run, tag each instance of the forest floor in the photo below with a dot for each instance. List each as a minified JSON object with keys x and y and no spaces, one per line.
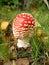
{"x":42,"y":16}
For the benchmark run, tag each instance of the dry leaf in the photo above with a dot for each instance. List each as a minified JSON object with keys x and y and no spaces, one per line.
{"x":4,"y":25}
{"x":22,"y":61}
{"x":45,"y":39}
{"x":39,"y":33}
{"x":37,"y":24}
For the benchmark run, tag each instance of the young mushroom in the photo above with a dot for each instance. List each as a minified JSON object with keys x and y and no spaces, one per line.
{"x":23,"y":28}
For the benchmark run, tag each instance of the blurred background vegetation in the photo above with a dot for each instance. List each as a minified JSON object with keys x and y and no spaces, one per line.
{"x":21,"y":4}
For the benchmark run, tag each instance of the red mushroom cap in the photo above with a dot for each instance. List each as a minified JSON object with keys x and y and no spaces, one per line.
{"x":21,"y":24}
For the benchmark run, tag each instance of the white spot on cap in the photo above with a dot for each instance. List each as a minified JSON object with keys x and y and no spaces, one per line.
{"x":20,"y":24}
{"x":32,"y":26}
{"x":28,"y":17}
{"x":25,"y":21}
{"x":32,"y":22}
{"x":29,"y":21}
{"x":25,"y":24}
{"x":23,"y":16}
{"x":23,"y":28}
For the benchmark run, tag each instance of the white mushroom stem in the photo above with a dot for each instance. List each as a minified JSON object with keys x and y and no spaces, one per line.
{"x":22,"y":43}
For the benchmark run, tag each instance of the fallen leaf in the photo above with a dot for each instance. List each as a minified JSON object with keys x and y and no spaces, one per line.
{"x":4,"y":25}
{"x":39,"y":33}
{"x":34,"y":9}
{"x":37,"y":24}
{"x":45,"y":39}
{"x":22,"y":61}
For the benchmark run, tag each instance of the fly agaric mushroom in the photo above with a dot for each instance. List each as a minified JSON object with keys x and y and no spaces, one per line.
{"x":23,"y":24}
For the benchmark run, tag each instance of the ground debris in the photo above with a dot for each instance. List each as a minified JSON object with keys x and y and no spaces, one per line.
{"x":22,"y":61}
{"x":1,"y":61}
